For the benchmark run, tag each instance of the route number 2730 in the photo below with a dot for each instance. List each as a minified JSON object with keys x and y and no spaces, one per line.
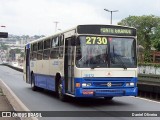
{"x":96,"y":40}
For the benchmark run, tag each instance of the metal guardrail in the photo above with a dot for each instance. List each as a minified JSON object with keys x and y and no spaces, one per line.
{"x":149,"y":79}
{"x":149,"y":86}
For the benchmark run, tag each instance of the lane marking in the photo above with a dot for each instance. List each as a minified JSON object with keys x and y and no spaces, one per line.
{"x":146,"y":99}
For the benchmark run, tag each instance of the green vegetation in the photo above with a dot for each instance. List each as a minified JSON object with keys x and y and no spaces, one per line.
{"x":149,"y":64}
{"x":156,"y":38}
{"x":147,"y":29}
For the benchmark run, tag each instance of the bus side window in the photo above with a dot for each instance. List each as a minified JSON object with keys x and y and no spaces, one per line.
{"x":34,"y":52}
{"x":55,"y":48}
{"x":61,"y":46}
{"x":40,"y":50}
{"x":31,"y":52}
{"x":46,"y":52}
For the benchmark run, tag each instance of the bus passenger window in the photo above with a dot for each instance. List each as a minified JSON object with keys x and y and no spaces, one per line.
{"x":54,"y":42}
{"x":40,"y":51}
{"x":34,"y":51}
{"x":34,"y":56}
{"x":61,"y":43}
{"x":55,"y":48}
{"x":61,"y":46}
{"x":39,"y":55}
{"x":61,"y":51}
{"x":46,"y":54}
{"x":54,"y":53}
{"x":31,"y":49}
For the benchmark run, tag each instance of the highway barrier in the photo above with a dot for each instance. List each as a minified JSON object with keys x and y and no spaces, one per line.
{"x":13,"y":67}
{"x":149,"y":86}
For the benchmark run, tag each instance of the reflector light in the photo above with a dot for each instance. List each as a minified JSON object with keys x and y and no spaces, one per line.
{"x":78,"y":85}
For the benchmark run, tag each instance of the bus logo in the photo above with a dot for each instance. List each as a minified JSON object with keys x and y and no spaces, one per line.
{"x":109,"y":84}
{"x":108,"y":74}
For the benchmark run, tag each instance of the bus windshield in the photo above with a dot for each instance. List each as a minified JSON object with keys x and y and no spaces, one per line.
{"x":104,"y":52}
{"x":122,"y":52}
{"x":90,"y":53}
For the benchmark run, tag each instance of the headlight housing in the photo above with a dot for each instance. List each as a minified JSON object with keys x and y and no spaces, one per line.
{"x":131,"y":84}
{"x":86,"y":84}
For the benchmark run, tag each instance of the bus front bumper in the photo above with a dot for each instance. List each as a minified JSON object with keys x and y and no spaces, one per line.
{"x":80,"y":92}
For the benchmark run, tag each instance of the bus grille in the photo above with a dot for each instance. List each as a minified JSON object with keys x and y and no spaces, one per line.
{"x":105,"y":84}
{"x":110,"y":91}
{"x":103,"y":93}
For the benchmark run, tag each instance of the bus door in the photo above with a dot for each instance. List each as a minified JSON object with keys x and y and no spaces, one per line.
{"x":27,"y":67}
{"x":69,"y":66}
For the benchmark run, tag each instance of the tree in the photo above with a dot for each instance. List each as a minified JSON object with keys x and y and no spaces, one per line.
{"x":156,"y":38}
{"x":145,"y":29}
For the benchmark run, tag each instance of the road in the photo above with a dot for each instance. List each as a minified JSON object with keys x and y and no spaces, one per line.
{"x":47,"y":101}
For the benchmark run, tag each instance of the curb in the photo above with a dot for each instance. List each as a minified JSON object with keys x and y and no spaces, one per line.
{"x":14,"y":100}
{"x":13,"y":67}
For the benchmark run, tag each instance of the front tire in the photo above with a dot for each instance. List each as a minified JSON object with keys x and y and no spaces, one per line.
{"x":61,"y":96}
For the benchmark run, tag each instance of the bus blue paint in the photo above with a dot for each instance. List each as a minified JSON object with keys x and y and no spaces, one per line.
{"x":102,"y":91}
{"x":45,"y":81}
{"x":28,"y":46}
{"x":108,"y":92}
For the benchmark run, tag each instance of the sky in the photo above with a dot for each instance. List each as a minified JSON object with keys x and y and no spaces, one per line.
{"x":38,"y":17}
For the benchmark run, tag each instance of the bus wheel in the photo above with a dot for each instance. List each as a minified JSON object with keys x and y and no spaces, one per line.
{"x":61,"y":96}
{"x":34,"y":88}
{"x":108,"y":98}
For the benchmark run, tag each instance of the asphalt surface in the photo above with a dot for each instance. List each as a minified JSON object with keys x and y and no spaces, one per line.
{"x":47,"y":101}
{"x":5,"y":105}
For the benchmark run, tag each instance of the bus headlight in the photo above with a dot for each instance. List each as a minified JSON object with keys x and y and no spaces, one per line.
{"x":86,"y":84}
{"x":130,"y":84}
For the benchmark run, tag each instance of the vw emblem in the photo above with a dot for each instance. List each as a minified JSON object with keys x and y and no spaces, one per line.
{"x":109,"y":84}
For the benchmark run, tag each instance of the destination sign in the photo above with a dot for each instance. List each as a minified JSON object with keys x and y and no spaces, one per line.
{"x":106,"y":30}
{"x":116,"y":31}
{"x":92,"y":40}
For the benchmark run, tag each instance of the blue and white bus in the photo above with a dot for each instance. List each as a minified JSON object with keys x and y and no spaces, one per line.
{"x":85,"y":61}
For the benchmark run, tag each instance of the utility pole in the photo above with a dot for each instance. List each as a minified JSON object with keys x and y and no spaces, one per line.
{"x":111,"y":13}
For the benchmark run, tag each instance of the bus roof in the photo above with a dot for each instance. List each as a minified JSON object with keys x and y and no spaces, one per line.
{"x":92,"y":29}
